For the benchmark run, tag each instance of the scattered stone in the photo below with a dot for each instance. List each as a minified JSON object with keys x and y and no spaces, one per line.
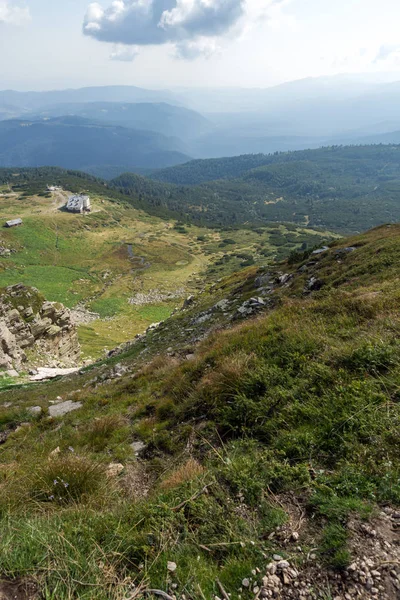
{"x":12,"y":373}
{"x":35,"y":410}
{"x":63,"y":408}
{"x":221,"y":305}
{"x":188,"y":302}
{"x":320,"y":250}
{"x":262,"y":280}
{"x":138,"y":447}
{"x":171,"y":566}
{"x":347,"y":250}
{"x":44,"y":373}
{"x":313,"y":285}
{"x":282,"y":279}
{"x":155,"y":297}
{"x":250,"y":307}
{"x":114,"y":469}
{"x":245,"y":582}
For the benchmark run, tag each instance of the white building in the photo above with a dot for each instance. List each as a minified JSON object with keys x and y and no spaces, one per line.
{"x":78,"y":203}
{"x":13,"y":223}
{"x":54,"y":188}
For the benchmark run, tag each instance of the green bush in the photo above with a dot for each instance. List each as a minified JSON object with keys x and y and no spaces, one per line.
{"x":373,"y":358}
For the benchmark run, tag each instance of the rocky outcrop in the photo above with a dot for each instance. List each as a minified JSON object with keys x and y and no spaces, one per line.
{"x":35,"y":332}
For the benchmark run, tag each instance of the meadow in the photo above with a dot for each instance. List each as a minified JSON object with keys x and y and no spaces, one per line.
{"x":100,"y":261}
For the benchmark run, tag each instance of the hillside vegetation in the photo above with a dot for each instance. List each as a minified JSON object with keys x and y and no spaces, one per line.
{"x":344,"y":189}
{"x":340,"y":189}
{"x":268,"y":415}
{"x":128,"y":268}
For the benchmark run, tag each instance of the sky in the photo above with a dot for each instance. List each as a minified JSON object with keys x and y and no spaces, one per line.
{"x":55,"y":44}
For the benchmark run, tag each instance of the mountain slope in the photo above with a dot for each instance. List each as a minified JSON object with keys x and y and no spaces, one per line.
{"x":77,"y":143}
{"x":172,"y":121}
{"x":118,"y":263}
{"x":244,"y":445}
{"x":117,"y":93}
{"x":211,"y":169}
{"x":342,"y":189}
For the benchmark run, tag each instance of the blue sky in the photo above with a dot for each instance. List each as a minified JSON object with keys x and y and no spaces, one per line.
{"x":167,"y":43}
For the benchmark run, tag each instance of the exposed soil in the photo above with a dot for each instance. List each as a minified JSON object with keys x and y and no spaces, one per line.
{"x":373,"y":573}
{"x":19,"y":589}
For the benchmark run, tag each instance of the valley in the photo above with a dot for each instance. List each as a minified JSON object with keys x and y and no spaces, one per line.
{"x":118,"y":267}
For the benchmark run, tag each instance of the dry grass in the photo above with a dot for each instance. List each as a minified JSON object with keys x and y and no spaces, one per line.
{"x":226,"y":379}
{"x":160,"y":366}
{"x":98,"y":434}
{"x":189,"y":471}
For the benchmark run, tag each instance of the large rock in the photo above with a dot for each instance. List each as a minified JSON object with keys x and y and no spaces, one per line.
{"x":33,"y":330}
{"x":8,"y":346}
{"x":63,"y":408}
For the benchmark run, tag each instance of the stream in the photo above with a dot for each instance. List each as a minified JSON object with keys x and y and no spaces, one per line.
{"x":140,"y":259}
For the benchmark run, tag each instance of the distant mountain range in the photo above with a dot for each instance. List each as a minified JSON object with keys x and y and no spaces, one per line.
{"x":28,"y":101}
{"x":77,"y":143}
{"x":172,"y":126}
{"x":169,"y":120}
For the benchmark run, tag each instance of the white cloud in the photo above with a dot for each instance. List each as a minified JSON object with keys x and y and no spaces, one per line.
{"x":201,"y":17}
{"x":388,"y":53}
{"x":12,"y":13}
{"x":124,"y":53}
{"x":193,"y":26}
{"x":203,"y":47}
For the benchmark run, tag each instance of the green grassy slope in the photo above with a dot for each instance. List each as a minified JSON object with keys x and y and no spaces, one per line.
{"x":292,"y":412}
{"x":85,"y":259}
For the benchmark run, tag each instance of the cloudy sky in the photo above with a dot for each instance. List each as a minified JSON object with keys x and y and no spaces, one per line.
{"x":167,"y":43}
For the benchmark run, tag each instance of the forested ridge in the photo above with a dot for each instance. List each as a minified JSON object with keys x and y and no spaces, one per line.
{"x":343,"y":189}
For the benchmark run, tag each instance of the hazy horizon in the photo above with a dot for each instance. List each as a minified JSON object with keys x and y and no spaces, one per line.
{"x":379,"y":78}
